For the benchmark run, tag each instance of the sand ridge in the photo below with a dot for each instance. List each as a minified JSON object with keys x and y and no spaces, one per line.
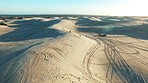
{"x":69,"y":50}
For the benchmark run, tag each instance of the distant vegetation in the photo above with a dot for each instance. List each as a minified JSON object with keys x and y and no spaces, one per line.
{"x":2,"y":23}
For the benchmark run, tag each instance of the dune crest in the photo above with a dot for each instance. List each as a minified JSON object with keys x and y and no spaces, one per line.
{"x":69,"y":50}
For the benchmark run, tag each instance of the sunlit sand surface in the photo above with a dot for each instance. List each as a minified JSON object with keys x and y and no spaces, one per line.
{"x":70,"y":50}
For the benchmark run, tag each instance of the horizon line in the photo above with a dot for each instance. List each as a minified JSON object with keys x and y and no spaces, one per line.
{"x":66,"y":15}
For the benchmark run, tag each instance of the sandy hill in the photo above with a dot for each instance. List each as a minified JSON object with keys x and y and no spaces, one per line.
{"x":69,"y":50}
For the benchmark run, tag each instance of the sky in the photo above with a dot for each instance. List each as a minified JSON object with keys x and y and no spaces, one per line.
{"x":86,"y":7}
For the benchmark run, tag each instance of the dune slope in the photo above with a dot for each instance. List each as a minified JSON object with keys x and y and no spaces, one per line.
{"x":57,"y":50}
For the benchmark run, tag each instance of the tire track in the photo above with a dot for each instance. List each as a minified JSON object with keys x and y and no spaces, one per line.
{"x":117,"y":66}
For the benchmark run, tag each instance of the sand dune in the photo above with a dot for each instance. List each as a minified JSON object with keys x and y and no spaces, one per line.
{"x":69,"y":50}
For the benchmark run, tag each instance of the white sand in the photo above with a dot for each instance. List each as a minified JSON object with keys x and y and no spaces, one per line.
{"x":55,"y":50}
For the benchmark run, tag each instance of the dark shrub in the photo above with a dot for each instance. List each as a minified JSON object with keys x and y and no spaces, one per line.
{"x":1,"y":23}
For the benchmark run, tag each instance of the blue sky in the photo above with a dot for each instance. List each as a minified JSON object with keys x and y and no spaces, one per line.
{"x":94,"y":7}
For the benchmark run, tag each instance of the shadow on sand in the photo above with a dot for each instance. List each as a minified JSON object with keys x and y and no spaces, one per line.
{"x":9,"y":57}
{"x":12,"y":63}
{"x":31,"y":29}
{"x":107,"y":21}
{"x":139,"y":31}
